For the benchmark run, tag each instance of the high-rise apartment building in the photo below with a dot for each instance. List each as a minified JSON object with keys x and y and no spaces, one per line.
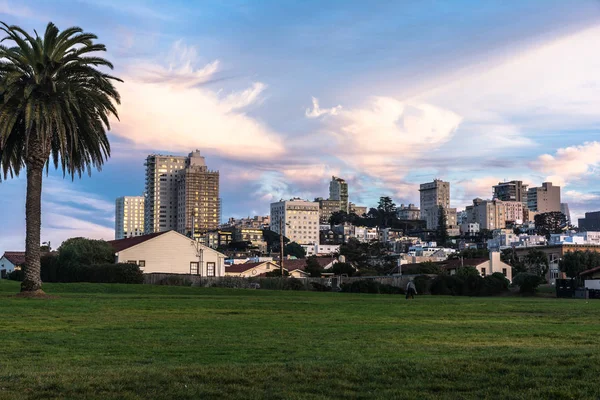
{"x":338,"y":190}
{"x":511,"y":191}
{"x":543,"y":199}
{"x":494,"y":214}
{"x":129,"y":217}
{"x":591,"y":222}
{"x":433,"y":195}
{"x":327,"y":208}
{"x":162,"y":175}
{"x":299,"y":220}
{"x":198,"y":202}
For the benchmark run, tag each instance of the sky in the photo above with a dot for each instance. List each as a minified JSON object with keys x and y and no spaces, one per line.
{"x":281,"y":95}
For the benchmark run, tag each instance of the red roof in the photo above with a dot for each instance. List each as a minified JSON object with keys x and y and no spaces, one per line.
{"x":15,"y":257}
{"x":589,"y":271}
{"x":300,"y":264}
{"x":243,"y":267}
{"x":122,"y":244}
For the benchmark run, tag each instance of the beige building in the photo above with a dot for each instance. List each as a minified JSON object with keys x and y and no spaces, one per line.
{"x":409,"y":212}
{"x":433,"y":195}
{"x":252,"y":235}
{"x":358,"y":210}
{"x":162,"y":176}
{"x":514,"y":211}
{"x":129,"y":216}
{"x":298,"y":218}
{"x":489,"y":214}
{"x":171,"y":253}
{"x":543,"y":199}
{"x":198,"y":201}
{"x":327,"y":208}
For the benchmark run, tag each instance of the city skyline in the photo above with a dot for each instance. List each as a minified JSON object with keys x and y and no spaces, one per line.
{"x":517,"y":103}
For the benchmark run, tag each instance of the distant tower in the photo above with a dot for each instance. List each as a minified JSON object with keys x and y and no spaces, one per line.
{"x":564,"y":208}
{"x":129,"y":216}
{"x":338,"y":190}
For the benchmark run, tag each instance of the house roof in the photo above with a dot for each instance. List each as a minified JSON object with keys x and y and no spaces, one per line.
{"x":122,"y":244}
{"x":15,"y":257}
{"x":300,"y":264}
{"x":448,"y":264}
{"x":589,"y":271}
{"x":245,"y":267}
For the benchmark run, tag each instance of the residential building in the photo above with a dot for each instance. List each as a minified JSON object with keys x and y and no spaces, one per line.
{"x":543,"y":199}
{"x":198,"y":202}
{"x":469,"y":229}
{"x":409,"y":212}
{"x":591,"y":222}
{"x":320,"y":249}
{"x":585,"y":238}
{"x":258,"y":221}
{"x":564,"y":208}
{"x":217,"y":238}
{"x":511,"y":191}
{"x":129,"y":216}
{"x":160,"y":206}
{"x":433,"y":195}
{"x":358,"y":210}
{"x":10,"y":261}
{"x":171,"y":253}
{"x":299,"y":220}
{"x":514,"y":211}
{"x":251,"y":269}
{"x":326,"y":208}
{"x":493,"y":214}
{"x":252,"y":235}
{"x":338,"y":190}
{"x":485,"y":266}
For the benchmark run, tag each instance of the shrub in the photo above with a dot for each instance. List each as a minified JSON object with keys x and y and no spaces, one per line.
{"x":53,"y":271}
{"x":527,"y":282}
{"x":293,"y":284}
{"x":343,"y":268}
{"x":174,"y":280}
{"x":422,"y":284}
{"x":493,"y":285}
{"x":370,"y":286}
{"x":16,"y":275}
{"x":320,"y":288}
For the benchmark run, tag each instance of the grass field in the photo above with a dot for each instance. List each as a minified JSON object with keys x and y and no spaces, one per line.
{"x":156,"y":342}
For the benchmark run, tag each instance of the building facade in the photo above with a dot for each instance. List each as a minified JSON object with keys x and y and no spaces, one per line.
{"x":543,"y":199}
{"x":338,"y":190}
{"x":564,"y":208}
{"x":489,"y":214}
{"x":298,"y":219}
{"x":511,"y":191}
{"x":358,"y":210}
{"x":198,"y":202}
{"x":591,"y":222}
{"x":327,"y":207}
{"x":433,"y":195}
{"x":160,"y":205}
{"x":129,"y":216}
{"x":409,"y":212}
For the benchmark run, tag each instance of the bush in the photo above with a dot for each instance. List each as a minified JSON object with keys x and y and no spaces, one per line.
{"x":16,"y":275}
{"x":53,"y":271}
{"x":320,"y":288}
{"x":527,"y":282}
{"x":293,"y":284}
{"x":174,"y":280}
{"x":370,"y":286}
{"x":343,"y":268}
{"x":469,"y":285}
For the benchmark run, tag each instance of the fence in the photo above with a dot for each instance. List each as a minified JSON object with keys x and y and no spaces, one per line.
{"x":266,"y":283}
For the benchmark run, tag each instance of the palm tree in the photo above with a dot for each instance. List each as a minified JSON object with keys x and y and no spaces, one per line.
{"x":55,"y":103}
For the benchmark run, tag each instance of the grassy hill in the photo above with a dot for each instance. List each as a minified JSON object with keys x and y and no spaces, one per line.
{"x":138,"y":342}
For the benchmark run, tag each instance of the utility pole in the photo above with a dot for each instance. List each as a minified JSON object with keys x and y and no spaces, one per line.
{"x":281,"y":246}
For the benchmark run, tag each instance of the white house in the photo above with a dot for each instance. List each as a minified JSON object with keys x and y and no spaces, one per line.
{"x":171,"y":253}
{"x":10,"y":261}
{"x":320,"y":249}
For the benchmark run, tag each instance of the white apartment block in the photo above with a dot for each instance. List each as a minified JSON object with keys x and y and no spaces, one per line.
{"x":129,"y":217}
{"x":298,"y":218}
{"x":162,"y":175}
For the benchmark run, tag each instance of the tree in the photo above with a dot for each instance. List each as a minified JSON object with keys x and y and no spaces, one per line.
{"x":295,"y":250}
{"x":575,"y":262}
{"x":313,"y":268}
{"x":465,"y":272}
{"x":509,"y":256}
{"x":428,"y":267}
{"x":343,"y":268}
{"x":536,"y":262}
{"x":442,"y":230}
{"x":550,"y":222}
{"x":81,"y":251}
{"x":55,"y":103}
{"x":387,"y":211}
{"x":527,"y":282}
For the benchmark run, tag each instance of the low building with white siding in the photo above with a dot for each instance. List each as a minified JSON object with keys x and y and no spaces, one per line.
{"x":169,"y":253}
{"x":10,"y":261}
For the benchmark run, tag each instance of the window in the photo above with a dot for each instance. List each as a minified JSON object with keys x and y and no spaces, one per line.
{"x":210,"y":269}
{"x":131,"y":262}
{"x":482,"y":271}
{"x":194,"y":268}
{"x":142,"y":264}
{"x":504,"y":271}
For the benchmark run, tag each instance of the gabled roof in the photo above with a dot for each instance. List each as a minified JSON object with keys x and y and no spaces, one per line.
{"x":15,"y":257}
{"x":300,"y":264}
{"x":590,"y":271}
{"x":122,"y":244}
{"x":245,"y":267}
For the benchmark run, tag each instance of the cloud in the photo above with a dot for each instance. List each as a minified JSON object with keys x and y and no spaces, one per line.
{"x":318,"y":111}
{"x":169,"y":108}
{"x":569,"y":163}
{"x":577,"y":197}
{"x":15,"y":10}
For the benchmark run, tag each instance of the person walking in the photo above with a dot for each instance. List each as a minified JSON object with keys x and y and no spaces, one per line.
{"x":411,"y":290}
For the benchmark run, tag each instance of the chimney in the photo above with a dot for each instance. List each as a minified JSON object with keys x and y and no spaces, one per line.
{"x":495,"y":262}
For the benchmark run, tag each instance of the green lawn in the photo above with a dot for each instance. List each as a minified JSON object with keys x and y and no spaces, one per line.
{"x":155,"y":342}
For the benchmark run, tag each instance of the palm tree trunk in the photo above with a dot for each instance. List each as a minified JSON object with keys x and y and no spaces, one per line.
{"x":33,"y":221}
